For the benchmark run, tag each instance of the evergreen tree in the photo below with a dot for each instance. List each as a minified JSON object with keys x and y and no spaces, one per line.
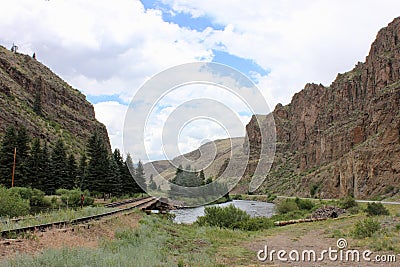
{"x":8,"y":145}
{"x":187,"y":177}
{"x":118,"y":171}
{"x":152,"y":184}
{"x":46,"y":175}
{"x":82,"y":171}
{"x":128,"y":181}
{"x":115,"y":180}
{"x":21,"y":170}
{"x":202,"y":177}
{"x":35,"y":165}
{"x":58,"y":167}
{"x":140,"y":178}
{"x":72,"y":173}
{"x":98,"y":167}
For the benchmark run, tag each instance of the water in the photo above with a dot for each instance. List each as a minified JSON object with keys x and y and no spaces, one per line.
{"x":253,"y":208}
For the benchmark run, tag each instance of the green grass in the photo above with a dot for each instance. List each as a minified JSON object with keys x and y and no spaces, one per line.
{"x":159,"y":242}
{"x":156,"y":242}
{"x":55,"y":216}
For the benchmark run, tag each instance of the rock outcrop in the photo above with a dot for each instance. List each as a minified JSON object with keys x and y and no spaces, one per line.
{"x":64,"y":111}
{"x":342,"y":139}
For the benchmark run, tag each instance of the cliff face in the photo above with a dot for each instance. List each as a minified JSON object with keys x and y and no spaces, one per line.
{"x":342,"y":139}
{"x":24,"y":83}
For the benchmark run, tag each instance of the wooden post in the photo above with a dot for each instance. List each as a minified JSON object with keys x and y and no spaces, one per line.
{"x":13,"y":171}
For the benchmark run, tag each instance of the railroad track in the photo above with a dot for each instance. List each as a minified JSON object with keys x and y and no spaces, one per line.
{"x":123,"y":202}
{"x":137,"y":203}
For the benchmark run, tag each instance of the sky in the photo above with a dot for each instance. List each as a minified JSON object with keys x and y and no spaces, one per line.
{"x":109,"y":49}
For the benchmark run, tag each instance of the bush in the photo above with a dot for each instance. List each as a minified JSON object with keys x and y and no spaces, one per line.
{"x":223,"y":217}
{"x":271,"y":198}
{"x":286,"y":206}
{"x":12,"y":204}
{"x":72,"y":198}
{"x":293,"y":215}
{"x":348,"y":202}
{"x":353,"y":210}
{"x":35,"y":197}
{"x":366,"y":228}
{"x":376,"y":209}
{"x":254,"y":224}
{"x":313,"y":189}
{"x":304,"y":204}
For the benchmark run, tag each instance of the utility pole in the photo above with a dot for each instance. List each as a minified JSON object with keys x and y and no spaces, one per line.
{"x":13,"y":171}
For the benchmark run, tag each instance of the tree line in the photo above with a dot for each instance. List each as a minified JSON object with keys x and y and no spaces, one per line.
{"x":48,"y":169}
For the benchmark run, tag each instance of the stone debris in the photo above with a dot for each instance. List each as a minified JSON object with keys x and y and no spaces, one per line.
{"x":327,"y":212}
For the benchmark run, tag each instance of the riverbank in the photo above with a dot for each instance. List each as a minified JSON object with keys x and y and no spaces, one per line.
{"x":157,"y":241}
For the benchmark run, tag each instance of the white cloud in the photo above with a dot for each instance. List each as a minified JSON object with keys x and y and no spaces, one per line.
{"x":112,"y":114}
{"x":104,"y":47}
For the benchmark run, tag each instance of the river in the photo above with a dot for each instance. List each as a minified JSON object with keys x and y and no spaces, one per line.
{"x":253,"y":208}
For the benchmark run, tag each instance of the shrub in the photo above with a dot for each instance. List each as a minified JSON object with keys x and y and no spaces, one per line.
{"x":353,"y":210}
{"x":35,"y":197}
{"x":313,"y":189}
{"x":271,"y":198}
{"x":366,"y":228}
{"x":254,"y":224}
{"x":223,"y":217}
{"x":72,"y":198}
{"x":376,"y":209}
{"x":12,"y":204}
{"x":348,"y":202}
{"x":293,"y":215}
{"x":304,"y":204}
{"x":286,"y":206}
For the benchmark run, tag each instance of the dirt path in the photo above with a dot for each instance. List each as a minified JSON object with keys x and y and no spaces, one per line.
{"x":87,"y":235}
{"x":316,"y":236}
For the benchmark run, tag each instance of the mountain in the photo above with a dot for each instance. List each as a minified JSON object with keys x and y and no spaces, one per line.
{"x":342,"y":139}
{"x":332,"y":141}
{"x":209,"y":157}
{"x":31,"y":95}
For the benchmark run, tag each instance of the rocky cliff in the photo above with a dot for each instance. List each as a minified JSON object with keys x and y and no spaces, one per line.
{"x":342,"y":139}
{"x":25,"y":84}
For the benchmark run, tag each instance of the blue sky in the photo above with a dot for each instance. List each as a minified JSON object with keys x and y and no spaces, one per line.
{"x":108,"y":50}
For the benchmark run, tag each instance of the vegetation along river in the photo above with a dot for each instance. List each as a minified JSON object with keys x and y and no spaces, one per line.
{"x":253,"y":208}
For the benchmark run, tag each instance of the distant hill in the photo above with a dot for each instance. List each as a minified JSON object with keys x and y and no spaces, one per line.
{"x":215,"y":152}
{"x":31,"y":95}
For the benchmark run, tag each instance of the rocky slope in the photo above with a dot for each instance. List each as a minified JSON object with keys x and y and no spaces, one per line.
{"x":25,"y":82}
{"x":342,"y":139}
{"x":209,"y":157}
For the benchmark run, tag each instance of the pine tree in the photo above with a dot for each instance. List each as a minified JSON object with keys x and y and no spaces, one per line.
{"x":152,"y":184}
{"x":140,"y":178}
{"x":115,"y":183}
{"x":58,"y":167}
{"x":35,"y":165}
{"x":98,"y":167}
{"x":21,"y":170}
{"x":187,"y":177}
{"x":118,"y":160}
{"x":82,"y":172}
{"x":72,"y":173}
{"x":128,"y":181}
{"x":46,"y":174}
{"x":202,"y":177}
{"x":8,"y":145}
